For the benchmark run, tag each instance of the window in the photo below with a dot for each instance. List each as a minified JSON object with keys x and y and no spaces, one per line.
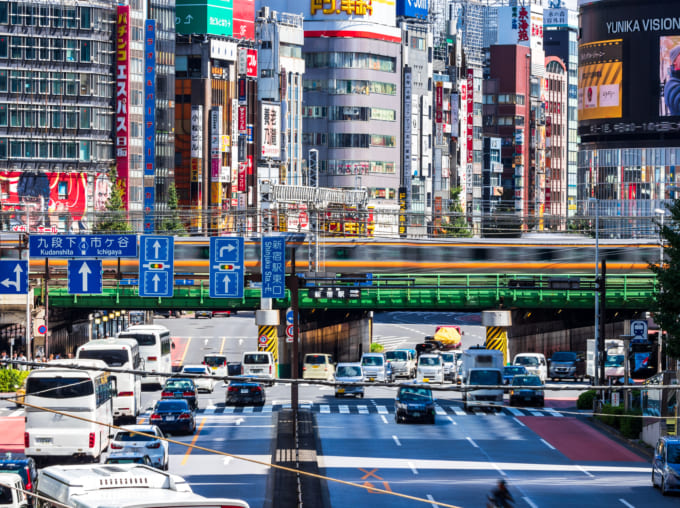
{"x":85,"y":54}
{"x":70,"y":52}
{"x":57,"y":120}
{"x":71,"y":84}
{"x":3,"y":115}
{"x":85,"y":17}
{"x":57,"y":85}
{"x":57,"y":50}
{"x":3,"y":46}
{"x":16,"y":42}
{"x":14,"y":117}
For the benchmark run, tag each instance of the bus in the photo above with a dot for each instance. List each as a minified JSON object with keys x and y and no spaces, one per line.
{"x":122,"y":354}
{"x":122,"y":486}
{"x":155,"y":348}
{"x":86,"y":393}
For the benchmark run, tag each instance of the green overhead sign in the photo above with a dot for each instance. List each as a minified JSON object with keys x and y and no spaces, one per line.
{"x":204,"y":17}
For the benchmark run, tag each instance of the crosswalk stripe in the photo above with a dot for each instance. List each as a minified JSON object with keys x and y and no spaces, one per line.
{"x":229,"y":409}
{"x":457,"y":411}
{"x":267,"y":409}
{"x":324,"y":408}
{"x":439,"y":410}
{"x":536,"y":413}
{"x":210,"y":410}
{"x":382,"y":410}
{"x":515,"y":411}
{"x":363,"y":410}
{"x":248,"y":409}
{"x":344,"y":409}
{"x":552,"y":412}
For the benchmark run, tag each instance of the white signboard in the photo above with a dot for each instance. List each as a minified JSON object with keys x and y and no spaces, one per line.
{"x":270,"y":130}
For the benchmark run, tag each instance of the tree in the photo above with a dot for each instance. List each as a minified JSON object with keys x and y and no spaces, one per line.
{"x":667,"y":303}
{"x":172,"y":223}
{"x":454,"y":223}
{"x":115,"y":220}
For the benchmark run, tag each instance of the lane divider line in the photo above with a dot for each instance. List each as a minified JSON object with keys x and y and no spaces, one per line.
{"x":413,"y":467}
{"x":626,"y":503}
{"x":431,"y":499}
{"x":529,"y":502}
{"x":472,"y":442}
{"x":519,"y":422}
{"x":451,"y":420}
{"x":547,"y":444}
{"x":193,"y":442}
{"x":396,"y":440}
{"x":583,"y":470}
{"x":383,"y":418}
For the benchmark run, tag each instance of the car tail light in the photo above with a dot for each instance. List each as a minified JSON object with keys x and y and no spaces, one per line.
{"x":166,"y":394}
{"x":29,"y":483}
{"x":155,"y":417}
{"x":185,"y":416}
{"x":202,"y":363}
{"x":91,"y":440}
{"x":232,"y":389}
{"x":126,"y":394}
{"x":189,"y":394}
{"x":242,"y":370}
{"x":155,"y":444}
{"x":270,"y":369}
{"x":116,"y":446}
{"x":304,"y":369}
{"x":26,"y":440}
{"x":152,"y":358}
{"x":257,"y":389}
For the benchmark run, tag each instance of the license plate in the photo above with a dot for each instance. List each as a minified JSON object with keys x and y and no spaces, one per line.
{"x":169,"y":418}
{"x":256,"y":371}
{"x":315,"y":367}
{"x":43,"y":440}
{"x":416,"y":414}
{"x":341,"y":390}
{"x":178,"y":395}
{"x":244,"y":390}
{"x":371,"y":379}
{"x":426,"y":380}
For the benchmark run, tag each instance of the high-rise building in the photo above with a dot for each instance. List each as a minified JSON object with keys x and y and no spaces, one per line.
{"x":556,"y":135}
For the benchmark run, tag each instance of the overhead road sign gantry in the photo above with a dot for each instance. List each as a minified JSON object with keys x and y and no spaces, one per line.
{"x":273,"y":265}
{"x":156,"y":260}
{"x":82,"y":246}
{"x":13,"y":277}
{"x":85,"y":276}
{"x":226,"y":267}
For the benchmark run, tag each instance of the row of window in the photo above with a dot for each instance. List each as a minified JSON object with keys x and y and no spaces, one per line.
{"x":346,"y":60}
{"x":58,"y":84}
{"x":349,"y":113}
{"x":349,"y":86}
{"x":44,"y":150}
{"x":55,"y":49}
{"x":340,"y":140}
{"x":54,"y":117}
{"x":504,"y":98}
{"x":344,"y":167}
{"x":54,"y":16}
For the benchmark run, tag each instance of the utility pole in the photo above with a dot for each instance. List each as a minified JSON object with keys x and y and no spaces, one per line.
{"x":602,"y":296}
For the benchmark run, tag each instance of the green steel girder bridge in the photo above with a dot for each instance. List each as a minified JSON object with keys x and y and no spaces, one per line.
{"x":390,"y":292}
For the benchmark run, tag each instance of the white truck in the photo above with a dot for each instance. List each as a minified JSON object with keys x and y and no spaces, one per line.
{"x":481,"y":366}
{"x":613,"y":360}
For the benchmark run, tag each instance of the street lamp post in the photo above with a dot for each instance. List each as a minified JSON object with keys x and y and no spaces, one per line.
{"x":661,"y":214}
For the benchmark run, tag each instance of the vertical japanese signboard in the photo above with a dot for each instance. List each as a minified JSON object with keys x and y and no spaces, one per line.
{"x":270,"y":116}
{"x":273,"y":264}
{"x":470,"y":114}
{"x":122,"y":98}
{"x":406,"y":159}
{"x":149,"y":120}
{"x":196,"y":155}
{"x":403,"y":219}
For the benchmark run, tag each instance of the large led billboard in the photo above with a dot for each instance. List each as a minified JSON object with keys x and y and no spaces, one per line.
{"x":214,"y":17}
{"x":629,"y":70}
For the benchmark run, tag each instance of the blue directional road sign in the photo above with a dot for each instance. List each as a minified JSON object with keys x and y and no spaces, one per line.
{"x":273,"y":264}
{"x":13,"y":277}
{"x":82,"y":246}
{"x":226,"y":267}
{"x":85,"y":276}
{"x":156,"y":258}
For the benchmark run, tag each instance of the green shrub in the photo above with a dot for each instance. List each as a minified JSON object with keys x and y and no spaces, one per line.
{"x":585,"y":400}
{"x":377,"y":348}
{"x":11,"y":379}
{"x":631,"y":426}
{"x":611,"y":415}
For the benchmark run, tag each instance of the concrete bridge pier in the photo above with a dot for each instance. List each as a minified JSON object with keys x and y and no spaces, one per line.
{"x":343,"y":334}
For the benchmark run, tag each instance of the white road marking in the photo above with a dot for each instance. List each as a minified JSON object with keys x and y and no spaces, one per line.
{"x":396,"y":440}
{"x":383,"y":418}
{"x":267,"y":409}
{"x":382,"y":410}
{"x":248,"y":409}
{"x":227,"y":460}
{"x":324,"y":408}
{"x":239,"y":421}
{"x":305,"y":406}
{"x":413,"y":467}
{"x":552,"y":412}
{"x":210,"y":409}
{"x":458,"y":411}
{"x":536,"y":413}
{"x":585,"y":472}
{"x":548,"y":444}
{"x":438,"y":410}
{"x":343,"y":409}
{"x":229,"y":409}
{"x":472,"y":442}
{"x":18,"y":412}
{"x":363,"y":410}
{"x":451,"y":420}
{"x":431,"y":499}
{"x":626,"y":503}
{"x":529,"y":502}
{"x":519,"y":422}
{"x":515,"y":411}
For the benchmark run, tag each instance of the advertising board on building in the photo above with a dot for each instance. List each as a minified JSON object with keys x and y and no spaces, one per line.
{"x":149,"y":119}
{"x":412,"y":8}
{"x":406,"y":137}
{"x":455,"y":115}
{"x":122,"y":98}
{"x":403,"y":212}
{"x":223,"y":50}
{"x":470,"y":114}
{"x":270,"y":130}
{"x":196,"y":131}
{"x":244,"y":19}
{"x":213,"y":17}
{"x":247,"y":62}
{"x":380,"y":12}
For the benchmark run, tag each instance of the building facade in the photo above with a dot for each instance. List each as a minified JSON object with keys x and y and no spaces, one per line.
{"x":556,"y":143}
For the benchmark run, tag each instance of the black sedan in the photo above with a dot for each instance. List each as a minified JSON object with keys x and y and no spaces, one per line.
{"x":173,"y":416}
{"x":242,"y":392}
{"x":181,"y":388}
{"x":414,"y":403}
{"x":526,"y":390}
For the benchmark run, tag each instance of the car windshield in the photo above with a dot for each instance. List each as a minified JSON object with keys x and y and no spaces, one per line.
{"x":143,"y":339}
{"x":372,"y":360}
{"x":614,"y":361}
{"x":514,"y":370}
{"x":112,"y":357}
{"x":448,"y":357}
{"x":415,"y":394}
{"x":564,"y":357}
{"x":673,"y":453}
{"x":126,"y":460}
{"x":315,"y":359}
{"x":215,"y":361}
{"x":399,"y":356}
{"x":350,"y":371}
{"x":526,"y":381}
{"x":429,"y":360}
{"x":59,"y":387}
{"x":172,"y":405}
{"x":256,"y":359}
{"x":526,"y":360}
{"x":178,"y":385}
{"x":132,"y":436}
{"x":485,"y":377}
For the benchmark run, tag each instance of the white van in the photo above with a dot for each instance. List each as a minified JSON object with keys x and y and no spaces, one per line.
{"x":12,"y":493}
{"x":318,"y":366}
{"x":535,"y":364}
{"x":259,"y":364}
{"x":119,"y":354}
{"x":430,"y":369}
{"x":155,"y":348}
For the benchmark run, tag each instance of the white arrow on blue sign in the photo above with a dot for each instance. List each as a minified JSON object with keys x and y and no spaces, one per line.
{"x":156,"y":260}
{"x":226,"y":267}
{"x":85,"y":277}
{"x":13,"y":277}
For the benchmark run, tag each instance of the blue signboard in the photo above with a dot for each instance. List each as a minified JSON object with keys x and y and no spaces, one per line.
{"x":82,"y":246}
{"x":156,"y":258}
{"x":273,"y":264}
{"x":85,"y":276}
{"x":412,"y":8}
{"x":226,"y":267}
{"x":13,"y":277}
{"x":149,"y":200}
{"x":149,"y":120}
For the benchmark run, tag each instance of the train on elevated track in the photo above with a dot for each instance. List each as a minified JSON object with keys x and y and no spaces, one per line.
{"x":534,"y":255}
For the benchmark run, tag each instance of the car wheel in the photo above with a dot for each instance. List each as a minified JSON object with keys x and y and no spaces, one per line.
{"x":361,"y":395}
{"x":653,"y":482}
{"x":337,"y":395}
{"x":431,"y":420}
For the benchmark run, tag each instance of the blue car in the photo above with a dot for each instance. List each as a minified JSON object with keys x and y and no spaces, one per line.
{"x":414,"y":403}
{"x":181,"y":388}
{"x":173,"y":416}
{"x":666,"y":465}
{"x":243,"y":391}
